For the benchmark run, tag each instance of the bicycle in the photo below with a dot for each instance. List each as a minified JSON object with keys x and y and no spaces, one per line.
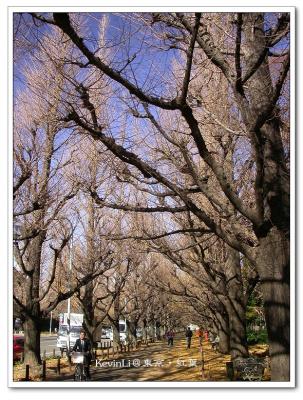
{"x":78,"y":358}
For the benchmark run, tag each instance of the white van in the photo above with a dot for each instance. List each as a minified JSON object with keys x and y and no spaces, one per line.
{"x":122,"y":330}
{"x":107,"y":332}
{"x":76,"y":321}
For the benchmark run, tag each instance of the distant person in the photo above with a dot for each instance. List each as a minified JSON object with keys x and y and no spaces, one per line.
{"x":188,"y":336}
{"x":18,"y":325}
{"x":211,"y":336}
{"x":199,"y":334}
{"x":170,"y":338}
{"x":206,"y":335}
{"x":84,"y":346}
{"x":215,"y":343}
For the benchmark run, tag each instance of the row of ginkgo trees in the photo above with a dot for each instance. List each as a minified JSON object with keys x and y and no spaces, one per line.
{"x":206,"y":138}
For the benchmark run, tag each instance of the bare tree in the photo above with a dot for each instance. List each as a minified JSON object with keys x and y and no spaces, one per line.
{"x":42,"y":192}
{"x":241,"y":56}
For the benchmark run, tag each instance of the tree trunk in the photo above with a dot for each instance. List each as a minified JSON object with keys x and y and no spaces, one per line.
{"x":88,"y":291}
{"x":89,"y":329}
{"x":158,"y":330}
{"x":88,"y":311}
{"x":223,"y":333}
{"x":234,"y":303}
{"x":273,"y":266}
{"x":234,"y":298}
{"x":32,"y":323}
{"x":272,"y":260}
{"x":144,"y":330}
{"x":162,"y":331}
{"x":131,"y":332}
{"x":32,"y":333}
{"x":116,"y":333}
{"x":237,"y":326}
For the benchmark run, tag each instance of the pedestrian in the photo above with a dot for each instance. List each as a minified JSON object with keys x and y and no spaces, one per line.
{"x":215,"y":343}
{"x":170,"y":338}
{"x":199,"y":334}
{"x":206,"y":335}
{"x":84,"y":346}
{"x":188,"y":335}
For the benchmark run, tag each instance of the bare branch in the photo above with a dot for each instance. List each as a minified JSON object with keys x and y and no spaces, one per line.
{"x":239,"y":84}
{"x":63,"y":22}
{"x":190,"y":53}
{"x":201,"y":231}
{"x":267,"y":112}
{"x":206,"y":42}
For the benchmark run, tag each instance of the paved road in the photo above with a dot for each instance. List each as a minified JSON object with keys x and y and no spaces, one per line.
{"x":48,"y":343}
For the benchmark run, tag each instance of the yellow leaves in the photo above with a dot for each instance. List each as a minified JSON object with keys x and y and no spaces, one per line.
{"x":155,"y":362}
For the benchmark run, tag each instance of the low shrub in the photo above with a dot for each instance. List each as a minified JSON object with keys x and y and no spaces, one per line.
{"x":259,"y":337}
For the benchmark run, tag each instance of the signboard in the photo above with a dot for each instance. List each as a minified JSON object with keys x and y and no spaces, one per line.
{"x":75,"y":319}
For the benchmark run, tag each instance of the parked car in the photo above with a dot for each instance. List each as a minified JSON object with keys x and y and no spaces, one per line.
{"x":106,"y":333}
{"x":18,"y":346}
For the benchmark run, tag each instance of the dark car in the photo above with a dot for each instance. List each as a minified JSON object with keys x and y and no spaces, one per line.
{"x":18,"y":346}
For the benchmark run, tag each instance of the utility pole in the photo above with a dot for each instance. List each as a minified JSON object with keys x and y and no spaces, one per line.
{"x":69,"y":299}
{"x":50,"y":323}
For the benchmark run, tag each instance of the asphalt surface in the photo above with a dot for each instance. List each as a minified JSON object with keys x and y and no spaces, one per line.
{"x":48,"y":344}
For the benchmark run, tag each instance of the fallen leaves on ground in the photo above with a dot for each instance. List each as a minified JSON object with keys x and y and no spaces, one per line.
{"x":157,"y":362}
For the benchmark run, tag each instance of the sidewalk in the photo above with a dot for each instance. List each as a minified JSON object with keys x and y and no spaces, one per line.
{"x":153,"y":362}
{"x":158,"y":362}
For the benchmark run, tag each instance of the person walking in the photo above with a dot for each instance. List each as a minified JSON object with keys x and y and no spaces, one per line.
{"x":215,"y":343}
{"x":199,"y":334}
{"x":170,"y":338}
{"x":188,"y":335}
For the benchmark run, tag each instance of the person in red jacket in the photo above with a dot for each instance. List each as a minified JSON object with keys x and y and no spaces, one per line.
{"x":199,"y":334}
{"x":170,"y":338}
